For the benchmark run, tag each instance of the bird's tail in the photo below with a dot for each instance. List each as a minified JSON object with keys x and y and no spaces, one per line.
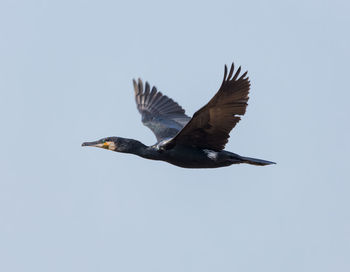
{"x":255,"y":161}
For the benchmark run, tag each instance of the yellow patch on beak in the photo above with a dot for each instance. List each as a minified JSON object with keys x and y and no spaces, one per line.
{"x":108,"y":145}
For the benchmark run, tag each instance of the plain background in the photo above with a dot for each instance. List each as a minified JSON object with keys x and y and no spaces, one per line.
{"x":65,"y":77}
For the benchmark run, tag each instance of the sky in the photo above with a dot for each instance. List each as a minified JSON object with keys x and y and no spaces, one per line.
{"x":66,"y":70}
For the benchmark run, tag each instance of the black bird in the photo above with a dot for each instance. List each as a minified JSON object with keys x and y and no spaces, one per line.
{"x":196,"y":142}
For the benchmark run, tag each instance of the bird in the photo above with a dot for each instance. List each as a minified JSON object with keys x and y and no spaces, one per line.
{"x":196,"y":142}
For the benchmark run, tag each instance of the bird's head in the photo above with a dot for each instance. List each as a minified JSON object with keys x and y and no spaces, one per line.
{"x":118,"y":144}
{"x":111,"y":143}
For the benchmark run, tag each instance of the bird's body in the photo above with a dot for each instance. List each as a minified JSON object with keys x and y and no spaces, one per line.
{"x":196,"y":142}
{"x":191,"y":157}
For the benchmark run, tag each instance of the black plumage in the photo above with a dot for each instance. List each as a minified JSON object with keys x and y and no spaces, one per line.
{"x":196,"y":142}
{"x":159,"y":112}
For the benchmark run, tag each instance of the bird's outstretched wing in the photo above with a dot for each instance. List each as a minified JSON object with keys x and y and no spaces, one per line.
{"x":210,"y":126}
{"x":159,"y":113}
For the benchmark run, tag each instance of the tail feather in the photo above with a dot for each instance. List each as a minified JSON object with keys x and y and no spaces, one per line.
{"x":256,"y":161}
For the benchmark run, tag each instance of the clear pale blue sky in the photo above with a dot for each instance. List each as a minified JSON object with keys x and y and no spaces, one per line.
{"x":65,"y":77}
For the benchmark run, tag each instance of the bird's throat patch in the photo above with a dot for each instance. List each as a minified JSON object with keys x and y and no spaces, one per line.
{"x":109,"y":145}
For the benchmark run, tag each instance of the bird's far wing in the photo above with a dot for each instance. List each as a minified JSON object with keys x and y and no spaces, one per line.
{"x":159,"y":113}
{"x":210,"y":126}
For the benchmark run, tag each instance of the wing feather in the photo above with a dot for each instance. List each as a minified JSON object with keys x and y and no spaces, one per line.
{"x":160,"y":113}
{"x":210,"y":126}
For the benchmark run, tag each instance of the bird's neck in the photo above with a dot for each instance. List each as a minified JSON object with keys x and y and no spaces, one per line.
{"x":137,"y":148}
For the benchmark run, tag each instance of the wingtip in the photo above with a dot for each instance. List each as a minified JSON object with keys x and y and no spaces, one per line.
{"x":135,"y":86}
{"x":140,"y":84}
{"x":147,"y":88}
{"x":231,"y":71}
{"x":237,"y":73}
{"x":244,"y":75}
{"x":225,"y":73}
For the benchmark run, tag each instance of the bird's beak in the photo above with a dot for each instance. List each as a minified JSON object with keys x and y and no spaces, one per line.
{"x":95,"y":144}
{"x":90,"y":143}
{"x":105,"y":145}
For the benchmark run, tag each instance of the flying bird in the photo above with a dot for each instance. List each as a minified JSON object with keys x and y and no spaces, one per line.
{"x":196,"y":142}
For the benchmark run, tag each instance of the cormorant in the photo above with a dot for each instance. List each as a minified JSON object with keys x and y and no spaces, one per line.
{"x":196,"y":142}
